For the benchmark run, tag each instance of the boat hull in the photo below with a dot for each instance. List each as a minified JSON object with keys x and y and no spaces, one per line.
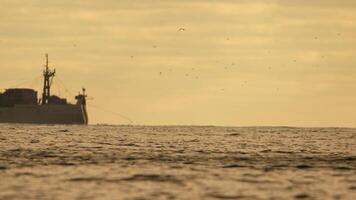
{"x":44,"y":114}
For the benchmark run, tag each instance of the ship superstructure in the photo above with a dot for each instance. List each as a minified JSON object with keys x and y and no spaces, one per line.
{"x":21,"y":105}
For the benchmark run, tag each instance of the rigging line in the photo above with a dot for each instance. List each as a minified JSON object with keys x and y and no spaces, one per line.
{"x":20,"y":84}
{"x":57,"y":88}
{"x":24,"y":82}
{"x":71,"y":92}
{"x":111,"y":112}
{"x":35,"y":82}
{"x":60,"y":87}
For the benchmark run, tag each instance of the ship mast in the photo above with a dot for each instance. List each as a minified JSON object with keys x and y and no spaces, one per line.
{"x":48,"y":76}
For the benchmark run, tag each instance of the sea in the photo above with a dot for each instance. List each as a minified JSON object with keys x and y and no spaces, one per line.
{"x":176,"y":162}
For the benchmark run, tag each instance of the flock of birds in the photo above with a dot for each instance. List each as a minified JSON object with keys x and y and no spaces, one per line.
{"x":195,"y":76}
{"x":243,"y":83}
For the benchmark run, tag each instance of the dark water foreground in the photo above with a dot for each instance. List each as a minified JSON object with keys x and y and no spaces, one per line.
{"x":138,"y":162}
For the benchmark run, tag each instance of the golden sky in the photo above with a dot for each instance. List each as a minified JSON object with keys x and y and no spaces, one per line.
{"x":211,"y":62}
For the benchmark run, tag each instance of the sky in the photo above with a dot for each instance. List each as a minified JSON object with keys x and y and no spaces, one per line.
{"x":189,"y":62}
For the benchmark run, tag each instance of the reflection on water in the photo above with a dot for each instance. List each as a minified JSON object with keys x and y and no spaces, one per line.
{"x":172,"y":162}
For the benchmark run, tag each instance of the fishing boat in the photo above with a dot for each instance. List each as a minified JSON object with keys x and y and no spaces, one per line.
{"x":22,"y":105}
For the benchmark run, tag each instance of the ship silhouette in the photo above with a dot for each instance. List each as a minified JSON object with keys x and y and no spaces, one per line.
{"x":21,"y":105}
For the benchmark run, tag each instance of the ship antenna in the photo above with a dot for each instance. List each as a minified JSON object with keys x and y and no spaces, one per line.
{"x":46,"y":61}
{"x":47,"y":76}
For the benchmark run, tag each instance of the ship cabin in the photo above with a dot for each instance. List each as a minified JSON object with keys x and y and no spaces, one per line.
{"x":15,"y":96}
{"x":25,"y":96}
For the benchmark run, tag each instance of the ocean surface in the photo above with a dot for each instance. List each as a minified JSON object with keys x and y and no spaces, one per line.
{"x":176,"y":162}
